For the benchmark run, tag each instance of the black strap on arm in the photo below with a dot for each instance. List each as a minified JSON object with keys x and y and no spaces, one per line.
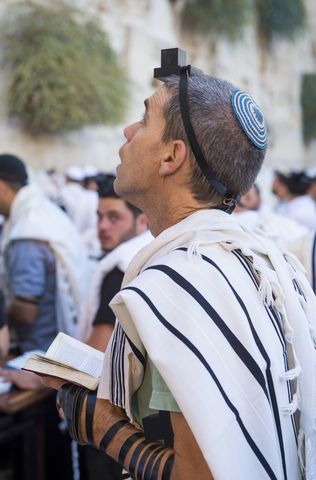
{"x":166,"y":427}
{"x":111,"y":433}
{"x":90,"y":406}
{"x":127,"y":445}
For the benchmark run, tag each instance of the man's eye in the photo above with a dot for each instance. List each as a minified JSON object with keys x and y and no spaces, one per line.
{"x":114,"y":218}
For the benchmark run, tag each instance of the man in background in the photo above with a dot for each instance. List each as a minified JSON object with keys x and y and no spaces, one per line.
{"x":46,"y":273}
{"x":78,"y":202}
{"x":122,"y":231}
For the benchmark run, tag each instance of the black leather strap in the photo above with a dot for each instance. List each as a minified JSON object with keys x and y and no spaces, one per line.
{"x":155,"y":470}
{"x":127,"y":445}
{"x":167,"y":468}
{"x":77,"y":415}
{"x":134,"y":458}
{"x":90,"y":406}
{"x":166,"y":426}
{"x":152,"y":450}
{"x":111,"y":433}
{"x":197,"y":152}
{"x":149,"y":466}
{"x":205,"y":168}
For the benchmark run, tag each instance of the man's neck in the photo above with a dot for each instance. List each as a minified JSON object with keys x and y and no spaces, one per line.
{"x":166,"y":218}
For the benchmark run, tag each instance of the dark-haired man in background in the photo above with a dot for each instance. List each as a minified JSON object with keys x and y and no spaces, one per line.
{"x":122,"y":231}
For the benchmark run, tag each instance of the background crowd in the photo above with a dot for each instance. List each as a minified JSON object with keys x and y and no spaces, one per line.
{"x":66,"y":242}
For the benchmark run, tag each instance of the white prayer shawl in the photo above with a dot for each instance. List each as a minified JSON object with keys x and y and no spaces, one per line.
{"x":302,"y":209}
{"x":119,"y":258}
{"x":228,"y":344}
{"x":35,"y":217}
{"x":292,"y":235}
{"x":81,"y":205}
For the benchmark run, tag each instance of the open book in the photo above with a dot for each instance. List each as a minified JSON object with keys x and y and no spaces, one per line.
{"x":69,"y":359}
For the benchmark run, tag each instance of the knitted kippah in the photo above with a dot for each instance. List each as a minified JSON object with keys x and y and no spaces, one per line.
{"x":251,"y":118}
{"x":12,"y":169}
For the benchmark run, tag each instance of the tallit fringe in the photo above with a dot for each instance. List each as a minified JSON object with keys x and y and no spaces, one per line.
{"x":291,"y":407}
{"x":291,"y":374}
{"x":270,"y":292}
{"x":294,"y":262}
{"x":307,"y":453}
{"x":193,"y":251}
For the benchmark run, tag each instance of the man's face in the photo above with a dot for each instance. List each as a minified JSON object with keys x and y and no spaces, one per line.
{"x":116,"y":223}
{"x":140,"y":156}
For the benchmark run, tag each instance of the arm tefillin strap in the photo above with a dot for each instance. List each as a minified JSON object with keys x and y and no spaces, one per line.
{"x":90,"y":407}
{"x":70,"y":398}
{"x":149,"y":461}
{"x":173,"y":62}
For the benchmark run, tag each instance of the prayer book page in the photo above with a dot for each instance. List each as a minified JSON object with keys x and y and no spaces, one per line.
{"x":69,"y":359}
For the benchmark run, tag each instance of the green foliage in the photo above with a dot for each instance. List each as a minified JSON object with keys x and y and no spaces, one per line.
{"x":283,"y":18}
{"x":64,"y":74}
{"x":308,"y":101}
{"x":226,"y":17}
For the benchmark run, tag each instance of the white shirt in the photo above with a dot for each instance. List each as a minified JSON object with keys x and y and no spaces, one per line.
{"x":302,"y":209}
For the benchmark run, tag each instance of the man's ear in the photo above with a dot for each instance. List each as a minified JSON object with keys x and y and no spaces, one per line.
{"x":174,"y":158}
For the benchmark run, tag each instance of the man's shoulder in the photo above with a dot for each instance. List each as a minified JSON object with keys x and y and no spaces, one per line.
{"x":184,"y":261}
{"x":30,"y":247}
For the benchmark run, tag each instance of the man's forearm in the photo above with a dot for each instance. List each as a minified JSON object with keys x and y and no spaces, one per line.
{"x":108,"y":428}
{"x":115,"y":435}
{"x":23,"y":310}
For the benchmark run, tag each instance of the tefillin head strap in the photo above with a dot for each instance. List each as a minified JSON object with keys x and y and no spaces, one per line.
{"x":230,"y":200}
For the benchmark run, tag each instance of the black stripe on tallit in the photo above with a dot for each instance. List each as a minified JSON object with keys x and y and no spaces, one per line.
{"x":117,"y":384}
{"x":273,"y":314}
{"x":117,"y":379}
{"x":198,"y":354}
{"x":233,"y":341}
{"x":136,"y":352}
{"x":265,"y":356}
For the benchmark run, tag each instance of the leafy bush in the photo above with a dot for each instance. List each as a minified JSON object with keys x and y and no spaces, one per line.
{"x":283,"y":18}
{"x":308,"y":101}
{"x":226,"y":17}
{"x":63,"y":72}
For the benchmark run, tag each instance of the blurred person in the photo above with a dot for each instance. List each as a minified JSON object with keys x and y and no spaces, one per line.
{"x":211,"y":330}
{"x":294,"y":201}
{"x":312,"y":188}
{"x":78,"y":202}
{"x":90,"y":180}
{"x":122,"y":230}
{"x":46,"y":273}
{"x":45,"y":263}
{"x":293,"y":236}
{"x":4,"y":331}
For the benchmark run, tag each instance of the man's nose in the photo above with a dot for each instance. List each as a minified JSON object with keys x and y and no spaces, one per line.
{"x":130,"y":130}
{"x":104,"y":223}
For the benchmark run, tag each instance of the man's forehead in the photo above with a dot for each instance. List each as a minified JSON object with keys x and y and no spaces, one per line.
{"x":157,"y":99}
{"x":111,"y":203}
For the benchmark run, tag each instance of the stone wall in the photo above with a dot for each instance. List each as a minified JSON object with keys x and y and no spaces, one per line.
{"x":138,"y":29}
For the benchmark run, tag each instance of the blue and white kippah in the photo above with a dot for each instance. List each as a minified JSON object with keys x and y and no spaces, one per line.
{"x":250,"y":118}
